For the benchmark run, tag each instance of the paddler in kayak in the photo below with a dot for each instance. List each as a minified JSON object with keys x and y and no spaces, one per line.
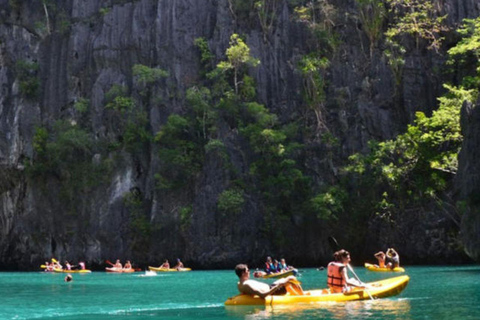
{"x":254,"y":287}
{"x":179,"y":265}
{"x":49,"y":266}
{"x":338,"y":280}
{"x":284,"y":267}
{"x":57,"y":265}
{"x":118,"y":264}
{"x":269,"y":267}
{"x":127,"y":265}
{"x":381,"y":259}
{"x":165,"y":264}
{"x":394,"y":258}
{"x":68,"y":266}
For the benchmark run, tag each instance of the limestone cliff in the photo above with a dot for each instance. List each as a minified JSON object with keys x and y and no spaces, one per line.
{"x":52,"y":56}
{"x":468,"y":179}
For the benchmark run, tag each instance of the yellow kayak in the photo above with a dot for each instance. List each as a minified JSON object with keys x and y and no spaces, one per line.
{"x":373,"y":267}
{"x":378,"y":289}
{"x":278,"y":275}
{"x":168,"y":270}
{"x":71,"y":271}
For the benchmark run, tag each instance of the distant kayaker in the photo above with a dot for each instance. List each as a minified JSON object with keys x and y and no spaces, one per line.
{"x":127,"y":265}
{"x":381,"y":259}
{"x":118,"y":264}
{"x":254,"y":287}
{"x":68,"y":278}
{"x":49,"y":266}
{"x":283,"y":265}
{"x":394,"y":258}
{"x":82,"y":265}
{"x":68,"y":266}
{"x":179,"y":265}
{"x":338,"y":280}
{"x":275,"y":266}
{"x":165,"y":265}
{"x":57,"y":265}
{"x":269,"y":267}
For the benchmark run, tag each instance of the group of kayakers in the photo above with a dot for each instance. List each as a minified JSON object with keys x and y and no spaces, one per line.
{"x":273,"y":266}
{"x":118,"y":267}
{"x":338,"y":280}
{"x":390,"y":259}
{"x":56,"y":265}
{"x":166,"y":265}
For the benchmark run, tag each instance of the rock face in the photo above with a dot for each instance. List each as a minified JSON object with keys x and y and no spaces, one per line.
{"x":79,"y":49}
{"x":468,"y":179}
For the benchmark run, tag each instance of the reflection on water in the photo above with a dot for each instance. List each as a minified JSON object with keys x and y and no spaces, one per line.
{"x":376,"y":309}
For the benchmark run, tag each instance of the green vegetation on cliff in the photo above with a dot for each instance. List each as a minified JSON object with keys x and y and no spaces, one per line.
{"x":418,"y":167}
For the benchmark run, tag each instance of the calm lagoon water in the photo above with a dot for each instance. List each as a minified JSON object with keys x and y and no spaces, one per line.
{"x":433,"y":293}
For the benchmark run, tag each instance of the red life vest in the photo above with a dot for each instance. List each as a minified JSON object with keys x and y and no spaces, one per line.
{"x":335,"y":280}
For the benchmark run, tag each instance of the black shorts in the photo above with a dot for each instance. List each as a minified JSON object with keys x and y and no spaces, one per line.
{"x":280,"y":291}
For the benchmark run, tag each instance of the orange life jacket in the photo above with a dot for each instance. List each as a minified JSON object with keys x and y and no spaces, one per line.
{"x":335,"y":280}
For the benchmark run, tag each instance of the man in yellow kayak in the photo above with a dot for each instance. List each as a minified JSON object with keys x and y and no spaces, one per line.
{"x":394,"y":258}
{"x":165,"y":264}
{"x":338,"y":280}
{"x":179,"y":265}
{"x":254,"y":287}
{"x":381,"y":259}
{"x":127,"y":265}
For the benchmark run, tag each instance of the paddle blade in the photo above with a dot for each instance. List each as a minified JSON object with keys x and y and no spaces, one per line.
{"x":43,"y":266}
{"x":110,"y":263}
{"x":333,"y":243}
{"x":54,"y":260}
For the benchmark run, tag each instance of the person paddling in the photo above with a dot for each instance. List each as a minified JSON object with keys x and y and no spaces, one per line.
{"x":381,"y":259}
{"x":394,"y":258}
{"x":179,"y":265}
{"x":269,"y":267}
{"x":338,"y":280}
{"x":127,"y":265}
{"x":165,"y":265}
{"x":118,"y":264}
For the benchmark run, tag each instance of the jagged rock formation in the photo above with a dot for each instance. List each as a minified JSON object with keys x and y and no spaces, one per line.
{"x":468,"y":181}
{"x":82,"y":48}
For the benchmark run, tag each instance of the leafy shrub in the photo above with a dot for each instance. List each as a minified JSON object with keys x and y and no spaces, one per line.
{"x":230,"y":202}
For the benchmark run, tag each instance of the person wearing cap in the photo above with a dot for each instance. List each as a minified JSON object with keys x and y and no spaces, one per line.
{"x":179,"y":265}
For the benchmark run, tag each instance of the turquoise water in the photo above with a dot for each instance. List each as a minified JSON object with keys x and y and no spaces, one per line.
{"x":433,"y":293}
